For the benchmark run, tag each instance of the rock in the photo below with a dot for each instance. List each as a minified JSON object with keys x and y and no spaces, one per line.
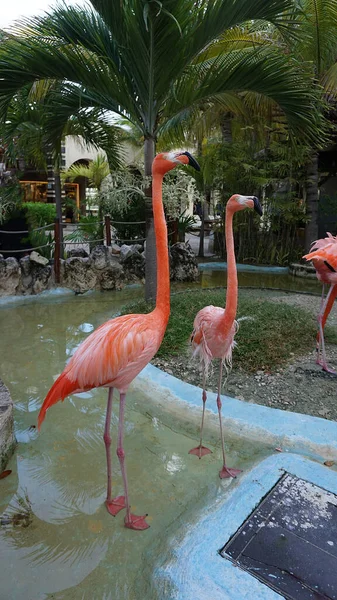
{"x":78,"y":275}
{"x":7,"y":438}
{"x":115,"y":249}
{"x":10,"y":273}
{"x":134,"y":266}
{"x":100,"y":257}
{"x":35,"y":278}
{"x":112,"y":277}
{"x":38,"y":259}
{"x":183,"y":263}
{"x":127,"y":251}
{"x":77,"y":252}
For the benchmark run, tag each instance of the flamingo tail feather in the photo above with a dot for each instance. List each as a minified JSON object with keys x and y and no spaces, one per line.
{"x":62,"y":388}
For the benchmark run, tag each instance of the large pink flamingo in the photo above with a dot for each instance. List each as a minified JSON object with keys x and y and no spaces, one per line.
{"x":323,"y":254}
{"x":114,"y":354}
{"x":214,"y":327}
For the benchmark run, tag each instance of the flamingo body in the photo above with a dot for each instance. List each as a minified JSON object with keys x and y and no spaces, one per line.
{"x":112,"y":356}
{"x":209,"y":339}
{"x":323,"y":254}
{"x":215,"y":327}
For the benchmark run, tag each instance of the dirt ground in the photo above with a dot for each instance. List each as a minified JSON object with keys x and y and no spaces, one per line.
{"x":301,"y":386}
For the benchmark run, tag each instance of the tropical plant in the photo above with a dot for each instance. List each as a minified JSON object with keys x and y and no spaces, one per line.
{"x":10,"y":199}
{"x":186,"y":224}
{"x":149,"y":62}
{"x":39,"y":214}
{"x":88,"y":230}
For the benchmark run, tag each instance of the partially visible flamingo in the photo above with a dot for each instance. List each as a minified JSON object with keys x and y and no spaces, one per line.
{"x":323,"y":254}
{"x":114,"y":354}
{"x":214,"y":328}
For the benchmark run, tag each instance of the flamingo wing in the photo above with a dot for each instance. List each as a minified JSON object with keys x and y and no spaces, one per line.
{"x":112,"y":355}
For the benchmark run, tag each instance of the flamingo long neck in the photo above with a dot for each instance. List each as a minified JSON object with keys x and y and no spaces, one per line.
{"x":232,"y":277}
{"x":163,"y":269}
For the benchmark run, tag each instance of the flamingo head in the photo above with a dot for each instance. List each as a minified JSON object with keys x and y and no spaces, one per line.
{"x":166,"y":161}
{"x":238,"y":202}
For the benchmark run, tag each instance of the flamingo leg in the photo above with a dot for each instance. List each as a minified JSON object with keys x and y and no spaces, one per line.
{"x":319,"y":319}
{"x":130,"y":521}
{"x":118,"y":503}
{"x":323,"y":362}
{"x":201,"y":450}
{"x":225,"y":472}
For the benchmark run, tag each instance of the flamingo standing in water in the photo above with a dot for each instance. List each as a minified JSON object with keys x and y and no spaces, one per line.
{"x":323,"y":254}
{"x":214,"y":328}
{"x":114,"y":354}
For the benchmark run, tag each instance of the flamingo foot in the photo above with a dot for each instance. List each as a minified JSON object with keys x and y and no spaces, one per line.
{"x":325,"y":367}
{"x":115,"y":505}
{"x":137,"y":523}
{"x":200,"y":451}
{"x":225,"y":473}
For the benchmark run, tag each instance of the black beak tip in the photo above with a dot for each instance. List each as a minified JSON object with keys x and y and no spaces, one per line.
{"x":257,"y":206}
{"x":191,"y":161}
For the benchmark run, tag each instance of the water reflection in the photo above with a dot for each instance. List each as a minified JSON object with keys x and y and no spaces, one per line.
{"x":57,"y":541}
{"x":263,"y":281}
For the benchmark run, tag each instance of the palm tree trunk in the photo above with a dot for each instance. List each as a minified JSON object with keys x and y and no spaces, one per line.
{"x":54,"y":193}
{"x":311,"y":229}
{"x":150,"y":256}
{"x":58,"y":198}
{"x":205,"y":207}
{"x":226,"y":127}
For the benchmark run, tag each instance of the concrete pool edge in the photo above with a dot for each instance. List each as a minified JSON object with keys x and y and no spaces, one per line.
{"x":189,"y":564}
{"x":193,"y":567}
{"x":222,"y":266}
{"x":293,"y":432}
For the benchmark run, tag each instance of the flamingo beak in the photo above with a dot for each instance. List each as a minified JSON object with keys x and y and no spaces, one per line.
{"x":257,"y":206}
{"x":191,"y":161}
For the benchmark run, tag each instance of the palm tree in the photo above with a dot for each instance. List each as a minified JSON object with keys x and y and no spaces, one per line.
{"x":149,"y":62}
{"x":95,"y":172}
{"x":30,"y":131}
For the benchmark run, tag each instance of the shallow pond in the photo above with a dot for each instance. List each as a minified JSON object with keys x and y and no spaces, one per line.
{"x":57,"y":540}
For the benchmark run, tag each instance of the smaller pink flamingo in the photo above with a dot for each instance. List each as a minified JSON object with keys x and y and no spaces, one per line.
{"x":214,"y":327}
{"x":323,"y":254}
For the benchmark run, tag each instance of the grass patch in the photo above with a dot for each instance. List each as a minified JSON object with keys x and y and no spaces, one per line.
{"x":262,"y":343}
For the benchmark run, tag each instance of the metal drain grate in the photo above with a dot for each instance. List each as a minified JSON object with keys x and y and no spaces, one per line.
{"x":290,"y":541}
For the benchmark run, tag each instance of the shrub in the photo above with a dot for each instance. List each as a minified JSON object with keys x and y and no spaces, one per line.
{"x":39,"y":214}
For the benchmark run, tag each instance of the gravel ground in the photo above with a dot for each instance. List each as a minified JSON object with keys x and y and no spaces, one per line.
{"x":301,"y":386}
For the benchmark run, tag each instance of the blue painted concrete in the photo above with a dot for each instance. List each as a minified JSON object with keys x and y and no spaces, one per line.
{"x":197,"y":570}
{"x":295,"y":432}
{"x":222,"y":266}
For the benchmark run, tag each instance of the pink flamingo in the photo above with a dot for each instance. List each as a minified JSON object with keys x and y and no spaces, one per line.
{"x":323,"y":254}
{"x":215,"y":327}
{"x":114,"y":354}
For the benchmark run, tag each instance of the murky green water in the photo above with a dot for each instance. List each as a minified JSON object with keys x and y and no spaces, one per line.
{"x":57,"y":540}
{"x":263,"y":280}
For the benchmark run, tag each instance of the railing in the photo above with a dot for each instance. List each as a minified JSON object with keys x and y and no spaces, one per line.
{"x":58,"y":247}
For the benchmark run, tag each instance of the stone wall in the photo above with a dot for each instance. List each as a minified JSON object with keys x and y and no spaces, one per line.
{"x":7,"y":438}
{"x":106,"y":268}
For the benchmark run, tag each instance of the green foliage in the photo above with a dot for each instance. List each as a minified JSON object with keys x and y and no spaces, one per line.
{"x":88,"y":230}
{"x":106,"y":71}
{"x":263,"y":341}
{"x":185,"y":225}
{"x":10,"y":199}
{"x":97,"y":170}
{"x":270,"y":169}
{"x":39,"y":214}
